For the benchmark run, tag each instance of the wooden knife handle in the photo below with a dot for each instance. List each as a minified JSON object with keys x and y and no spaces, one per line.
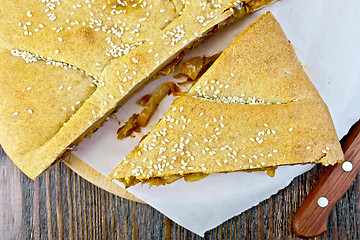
{"x":311,"y":218}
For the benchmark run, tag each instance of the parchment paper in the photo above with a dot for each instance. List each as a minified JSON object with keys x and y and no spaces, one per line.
{"x":326,"y":38}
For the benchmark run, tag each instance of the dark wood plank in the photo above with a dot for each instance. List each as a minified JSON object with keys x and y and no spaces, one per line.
{"x":310,"y":219}
{"x":60,"y":199}
{"x":10,"y":199}
{"x":48,"y":206}
{"x":70,"y":204}
{"x":36,"y":211}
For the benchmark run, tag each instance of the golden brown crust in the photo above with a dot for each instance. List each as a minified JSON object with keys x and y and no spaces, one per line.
{"x":254,"y":108}
{"x":32,"y":112}
{"x":118,"y":46}
{"x":208,"y":137}
{"x":266,"y":67}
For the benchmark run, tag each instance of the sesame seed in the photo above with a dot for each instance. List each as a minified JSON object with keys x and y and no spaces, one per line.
{"x":134,"y":60}
{"x":290,"y":129}
{"x":30,"y":111}
{"x":15,"y":113}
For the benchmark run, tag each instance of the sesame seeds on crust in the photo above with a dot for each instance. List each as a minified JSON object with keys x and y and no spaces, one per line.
{"x":239,"y":117}
{"x":97,"y":38}
{"x":222,"y":149}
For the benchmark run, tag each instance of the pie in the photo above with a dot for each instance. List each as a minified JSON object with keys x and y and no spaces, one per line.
{"x":66,"y":66}
{"x":253,"y":109}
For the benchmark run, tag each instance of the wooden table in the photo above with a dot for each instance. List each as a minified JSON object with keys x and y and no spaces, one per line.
{"x":60,"y":204}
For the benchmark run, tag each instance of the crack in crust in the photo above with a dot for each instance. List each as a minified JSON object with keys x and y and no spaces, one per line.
{"x":30,"y":57}
{"x":243,"y":100}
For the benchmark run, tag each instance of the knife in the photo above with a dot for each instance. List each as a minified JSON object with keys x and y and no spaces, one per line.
{"x":310,"y":220}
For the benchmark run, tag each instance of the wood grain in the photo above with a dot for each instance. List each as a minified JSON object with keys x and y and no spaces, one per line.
{"x":310,"y":219}
{"x":61,"y":203}
{"x":97,"y":178}
{"x":10,"y":199}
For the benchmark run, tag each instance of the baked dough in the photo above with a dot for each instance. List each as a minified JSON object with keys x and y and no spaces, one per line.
{"x":255,"y":108}
{"x":100,"y":52}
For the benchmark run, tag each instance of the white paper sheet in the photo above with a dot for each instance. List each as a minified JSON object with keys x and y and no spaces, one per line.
{"x":326,"y":41}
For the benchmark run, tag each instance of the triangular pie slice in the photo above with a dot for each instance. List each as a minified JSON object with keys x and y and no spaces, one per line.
{"x":255,"y":108}
{"x":65,"y":65}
